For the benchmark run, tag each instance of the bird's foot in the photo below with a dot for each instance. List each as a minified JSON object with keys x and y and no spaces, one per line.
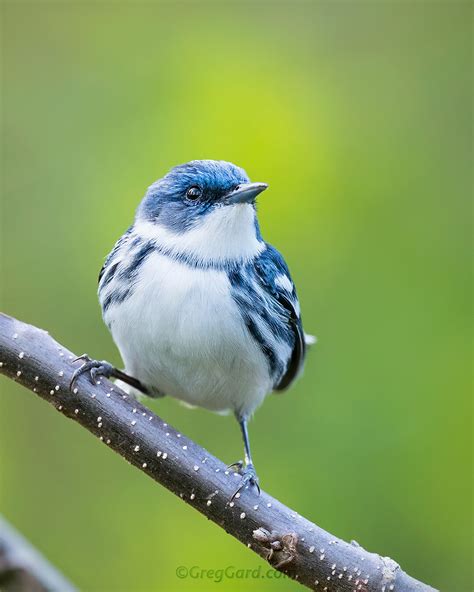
{"x":249,"y":477}
{"x":94,"y":368}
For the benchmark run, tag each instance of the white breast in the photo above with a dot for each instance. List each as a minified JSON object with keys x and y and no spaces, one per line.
{"x":181,"y":332}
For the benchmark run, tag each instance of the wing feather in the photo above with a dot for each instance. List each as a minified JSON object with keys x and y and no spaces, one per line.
{"x":275,"y":276}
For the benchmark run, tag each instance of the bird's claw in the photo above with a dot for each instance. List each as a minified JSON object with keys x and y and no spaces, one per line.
{"x":249,"y":477}
{"x":95,"y":368}
{"x":83,"y":357}
{"x":236,"y":465}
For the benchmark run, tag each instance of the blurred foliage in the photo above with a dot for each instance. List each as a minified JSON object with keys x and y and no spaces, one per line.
{"x":358,"y":115}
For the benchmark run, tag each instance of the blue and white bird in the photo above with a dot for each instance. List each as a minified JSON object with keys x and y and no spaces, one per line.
{"x":199,"y":305}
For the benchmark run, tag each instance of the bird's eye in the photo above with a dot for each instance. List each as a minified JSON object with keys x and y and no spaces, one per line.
{"x":194,"y":193}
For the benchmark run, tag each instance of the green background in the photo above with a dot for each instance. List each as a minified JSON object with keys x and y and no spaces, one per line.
{"x":358,"y":115}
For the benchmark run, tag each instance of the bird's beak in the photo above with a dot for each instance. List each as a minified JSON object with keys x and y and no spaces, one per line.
{"x":244,"y":193}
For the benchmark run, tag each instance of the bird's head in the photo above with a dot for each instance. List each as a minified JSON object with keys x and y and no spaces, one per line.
{"x":203,"y":211}
{"x":190,"y":193}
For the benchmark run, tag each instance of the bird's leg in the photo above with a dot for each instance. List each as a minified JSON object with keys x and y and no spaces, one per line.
{"x":249,"y":475}
{"x":96,"y":368}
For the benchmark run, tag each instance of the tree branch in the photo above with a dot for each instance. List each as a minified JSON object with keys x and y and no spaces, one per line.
{"x":22,"y":567}
{"x":289,"y":542}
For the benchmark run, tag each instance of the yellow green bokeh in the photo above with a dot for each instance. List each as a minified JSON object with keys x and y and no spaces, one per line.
{"x":358,"y":115}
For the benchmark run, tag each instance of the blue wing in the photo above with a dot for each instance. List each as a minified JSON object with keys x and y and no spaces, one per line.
{"x":109,"y":267}
{"x":273,"y":274}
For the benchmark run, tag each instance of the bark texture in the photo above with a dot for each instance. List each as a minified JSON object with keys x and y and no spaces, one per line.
{"x":287,"y":540}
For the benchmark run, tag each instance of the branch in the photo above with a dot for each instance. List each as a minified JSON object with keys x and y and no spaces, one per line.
{"x":23,"y":568}
{"x":290,"y":543}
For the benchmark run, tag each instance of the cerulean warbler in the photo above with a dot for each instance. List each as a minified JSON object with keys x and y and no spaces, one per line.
{"x":199,"y":305}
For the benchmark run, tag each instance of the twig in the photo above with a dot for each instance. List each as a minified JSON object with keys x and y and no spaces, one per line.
{"x":289,"y":542}
{"x":23,"y":568}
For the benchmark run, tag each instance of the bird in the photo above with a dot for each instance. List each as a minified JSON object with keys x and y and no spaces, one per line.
{"x":201,"y":308}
